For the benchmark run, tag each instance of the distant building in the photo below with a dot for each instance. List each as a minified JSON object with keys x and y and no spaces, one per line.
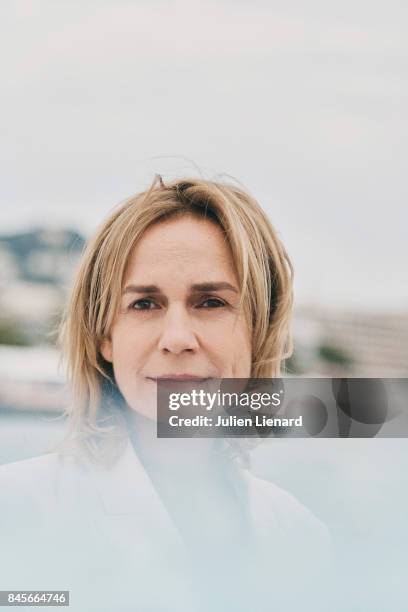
{"x":43,"y":256}
{"x":29,"y":302}
{"x":32,"y":379}
{"x":36,"y":271}
{"x":365,"y":344}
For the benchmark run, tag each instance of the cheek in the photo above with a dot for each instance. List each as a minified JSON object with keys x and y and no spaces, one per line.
{"x":126,"y":354}
{"x":235,"y":347}
{"x":129,"y":357}
{"x":243,"y":359}
{"x":244,"y":350}
{"x":129,"y":343}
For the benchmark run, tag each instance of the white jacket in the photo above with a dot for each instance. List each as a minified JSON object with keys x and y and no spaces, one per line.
{"x":105,"y":535}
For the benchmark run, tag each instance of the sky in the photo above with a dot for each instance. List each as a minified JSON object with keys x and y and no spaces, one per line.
{"x":305,"y":104}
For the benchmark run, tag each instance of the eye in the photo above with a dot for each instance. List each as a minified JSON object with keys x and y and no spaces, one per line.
{"x":212,"y":303}
{"x":143,"y":304}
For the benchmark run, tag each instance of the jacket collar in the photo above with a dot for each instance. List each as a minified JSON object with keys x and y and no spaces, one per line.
{"x":126,"y":488}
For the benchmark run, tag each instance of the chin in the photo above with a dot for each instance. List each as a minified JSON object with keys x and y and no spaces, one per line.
{"x":143,"y":400}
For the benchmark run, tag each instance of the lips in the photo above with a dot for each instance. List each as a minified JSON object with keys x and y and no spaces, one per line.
{"x":179,"y":378}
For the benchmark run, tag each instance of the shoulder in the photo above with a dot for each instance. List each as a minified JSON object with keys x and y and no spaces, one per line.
{"x":28,"y":475}
{"x":34,"y":486}
{"x":273,"y":507}
{"x":40,"y":472}
{"x":291,"y":540}
{"x":21,"y":471}
{"x":284,"y":505}
{"x":293,"y":545}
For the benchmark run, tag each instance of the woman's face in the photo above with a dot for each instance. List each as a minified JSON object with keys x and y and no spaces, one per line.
{"x":178,"y":313}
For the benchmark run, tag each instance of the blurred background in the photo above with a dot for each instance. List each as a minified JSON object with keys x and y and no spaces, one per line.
{"x":306,"y":107}
{"x":305,"y":104}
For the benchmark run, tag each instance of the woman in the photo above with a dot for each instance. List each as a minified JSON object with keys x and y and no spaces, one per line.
{"x":186,"y":281}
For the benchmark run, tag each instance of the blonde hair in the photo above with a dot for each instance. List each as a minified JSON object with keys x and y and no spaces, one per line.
{"x":263,"y":269}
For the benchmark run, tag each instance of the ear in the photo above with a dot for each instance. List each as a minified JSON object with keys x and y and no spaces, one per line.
{"x":106,"y":349}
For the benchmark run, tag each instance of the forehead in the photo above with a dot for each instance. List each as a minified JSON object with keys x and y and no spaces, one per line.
{"x":182,"y":243}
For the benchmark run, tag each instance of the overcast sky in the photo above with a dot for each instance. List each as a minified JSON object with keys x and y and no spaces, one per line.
{"x":305,"y":103}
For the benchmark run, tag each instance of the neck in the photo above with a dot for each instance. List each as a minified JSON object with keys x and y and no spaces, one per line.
{"x":184,"y":456}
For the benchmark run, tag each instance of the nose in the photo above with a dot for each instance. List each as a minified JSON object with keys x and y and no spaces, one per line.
{"x":177,"y":334}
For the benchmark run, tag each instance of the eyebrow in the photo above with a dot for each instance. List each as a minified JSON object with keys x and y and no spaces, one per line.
{"x":205,"y":287}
